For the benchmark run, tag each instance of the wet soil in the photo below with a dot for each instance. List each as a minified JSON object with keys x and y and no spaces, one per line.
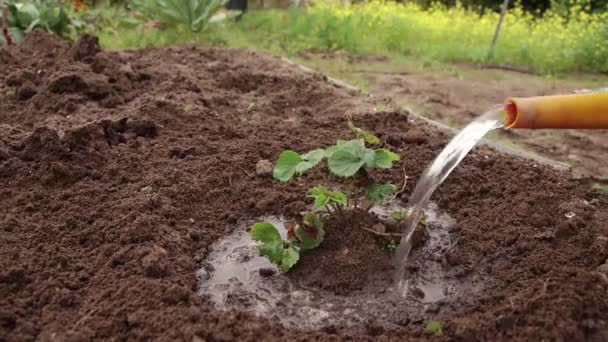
{"x":119,"y":170}
{"x":360,"y":295}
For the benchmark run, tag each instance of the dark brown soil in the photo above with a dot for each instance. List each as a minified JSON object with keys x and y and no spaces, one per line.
{"x":351,"y":255}
{"x":119,"y":169}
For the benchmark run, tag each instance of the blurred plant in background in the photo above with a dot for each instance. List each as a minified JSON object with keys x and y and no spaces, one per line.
{"x":58,"y":17}
{"x":547,"y":44}
{"x":195,"y":14}
{"x":546,"y":36}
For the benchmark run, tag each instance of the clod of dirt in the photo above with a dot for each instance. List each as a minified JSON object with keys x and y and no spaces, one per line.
{"x":86,"y":47}
{"x":26,"y":91}
{"x":599,"y":247}
{"x":6,"y":57}
{"x":176,"y":294}
{"x":379,"y":228}
{"x":154,"y":264}
{"x":95,"y":87}
{"x":44,"y":45}
{"x":420,"y":236}
{"x":4,"y":154}
{"x":60,"y":173}
{"x":505,"y":323}
{"x":263,"y":167}
{"x":415,"y":136}
{"x":67,"y":84}
{"x":267,"y":271}
{"x":41,"y":142}
{"x":181,"y":153}
{"x":18,"y":78}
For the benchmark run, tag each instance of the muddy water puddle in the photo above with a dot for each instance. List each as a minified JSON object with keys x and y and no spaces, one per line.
{"x":236,"y":277}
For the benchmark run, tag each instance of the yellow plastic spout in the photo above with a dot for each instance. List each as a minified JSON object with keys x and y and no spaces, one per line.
{"x":589,"y":110}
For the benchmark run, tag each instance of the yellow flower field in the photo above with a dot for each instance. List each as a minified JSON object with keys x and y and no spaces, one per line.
{"x":547,"y":44}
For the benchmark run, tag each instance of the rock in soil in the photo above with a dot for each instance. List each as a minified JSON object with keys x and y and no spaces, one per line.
{"x":267,"y":272}
{"x":263,"y":168}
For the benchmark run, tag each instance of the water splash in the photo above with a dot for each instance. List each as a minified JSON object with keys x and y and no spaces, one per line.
{"x":434,"y":175}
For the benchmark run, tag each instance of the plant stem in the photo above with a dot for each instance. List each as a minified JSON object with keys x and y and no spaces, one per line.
{"x":336,"y":209}
{"x":339,"y":207}
{"x":381,"y":234}
{"x":7,"y":37}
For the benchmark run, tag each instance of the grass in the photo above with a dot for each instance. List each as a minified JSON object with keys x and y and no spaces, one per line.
{"x":548,"y":45}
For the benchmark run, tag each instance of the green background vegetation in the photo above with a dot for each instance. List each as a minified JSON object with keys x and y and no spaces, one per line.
{"x":545,"y":36}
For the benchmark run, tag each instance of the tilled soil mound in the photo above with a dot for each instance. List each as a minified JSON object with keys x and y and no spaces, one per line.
{"x":119,"y":169}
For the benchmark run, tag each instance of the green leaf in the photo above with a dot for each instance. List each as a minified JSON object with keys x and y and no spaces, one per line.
{"x":286,"y":165}
{"x":313,"y":219}
{"x":273,"y":250}
{"x":379,"y":192}
{"x":306,"y":239}
{"x":337,"y":197}
{"x":434,"y":327}
{"x":319,"y":193}
{"x":368,"y":137}
{"x":349,"y":157}
{"x":265,"y":232}
{"x":345,"y":163}
{"x":290,"y":258}
{"x":398,"y":215}
{"x":600,"y":189}
{"x":423,"y":218}
{"x":310,"y":160}
{"x":271,"y":242}
{"x":384,"y":158}
{"x":323,"y":196}
{"x":332,"y":149}
{"x":26,"y":14}
{"x":369,"y":157}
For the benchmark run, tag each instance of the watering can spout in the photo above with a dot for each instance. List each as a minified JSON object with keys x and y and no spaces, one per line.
{"x":589,"y":110}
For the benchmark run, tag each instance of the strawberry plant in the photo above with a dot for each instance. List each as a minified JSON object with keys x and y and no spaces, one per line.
{"x":348,"y":160}
{"x":434,"y":328}
{"x":398,"y":215}
{"x":303,"y":235}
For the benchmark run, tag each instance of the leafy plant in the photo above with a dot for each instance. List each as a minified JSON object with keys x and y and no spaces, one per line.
{"x":600,"y":189}
{"x":305,"y":235}
{"x":434,"y":328}
{"x":398,"y":215}
{"x":195,"y":14}
{"x":350,"y":160}
{"x":50,"y":15}
{"x":290,"y":163}
{"x":346,"y":159}
{"x":391,"y":246}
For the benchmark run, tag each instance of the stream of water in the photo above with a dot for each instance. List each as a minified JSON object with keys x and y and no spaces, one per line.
{"x":434,"y":175}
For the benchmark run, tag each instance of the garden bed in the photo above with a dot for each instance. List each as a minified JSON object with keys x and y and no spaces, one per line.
{"x":120,"y":170}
